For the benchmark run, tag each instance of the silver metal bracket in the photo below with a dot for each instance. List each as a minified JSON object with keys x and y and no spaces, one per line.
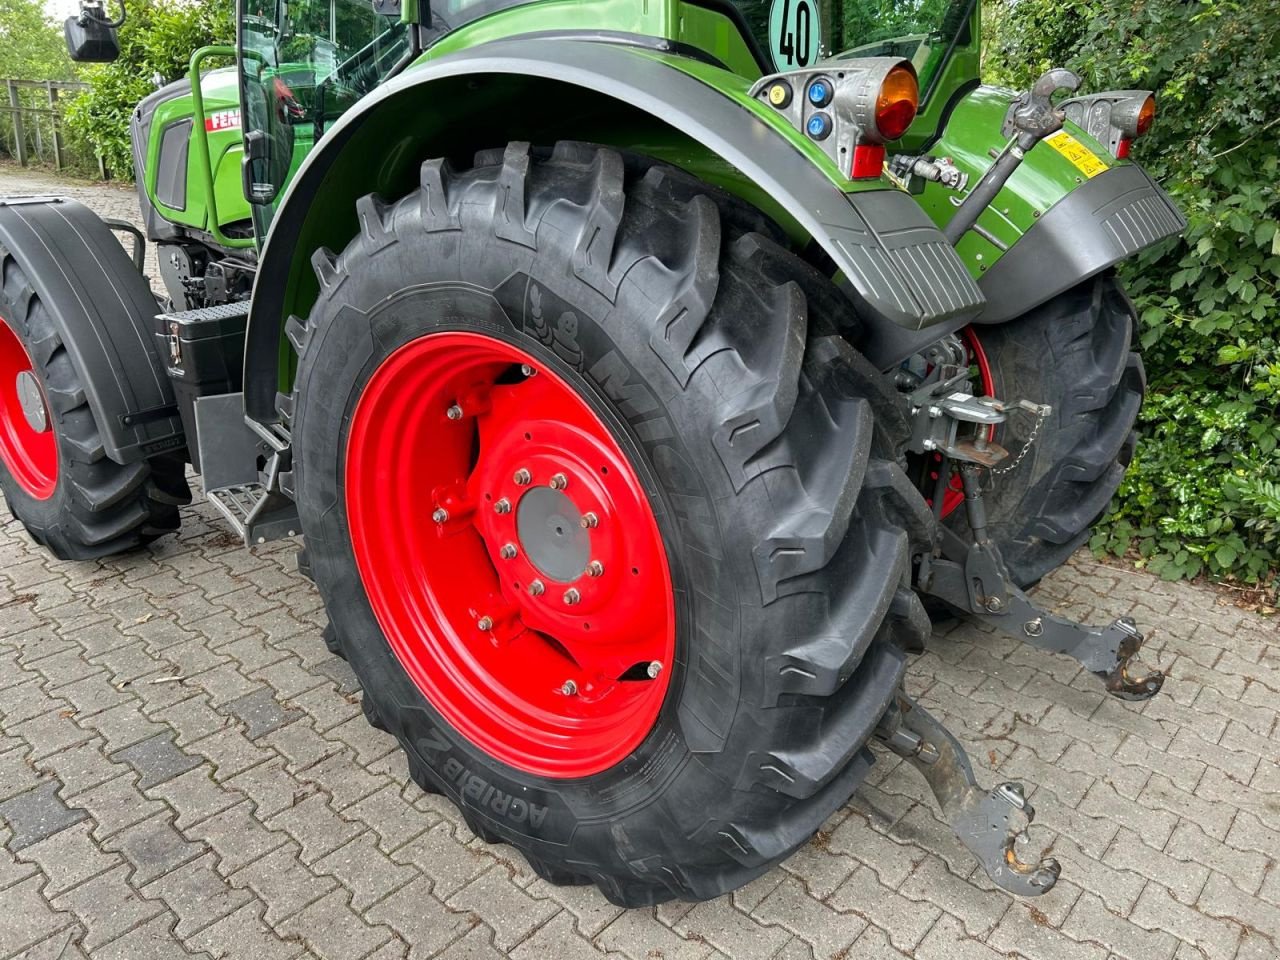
{"x":990,"y":823}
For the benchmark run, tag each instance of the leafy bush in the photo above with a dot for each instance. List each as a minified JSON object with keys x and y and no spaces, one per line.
{"x":156,"y":44}
{"x":1201,"y":495}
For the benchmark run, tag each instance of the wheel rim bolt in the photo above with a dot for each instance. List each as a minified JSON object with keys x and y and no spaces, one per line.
{"x":454,"y":412}
{"x":440,"y":515}
{"x":559,"y":481}
{"x":537,"y":588}
{"x":508,"y":551}
{"x":502,"y":506}
{"x":569,"y":688}
{"x":571,"y":596}
{"x":527,"y":370}
{"x":589,"y":520}
{"x":595,"y":569}
{"x":654,"y":668}
{"x":485,"y":624}
{"x":523,"y":477}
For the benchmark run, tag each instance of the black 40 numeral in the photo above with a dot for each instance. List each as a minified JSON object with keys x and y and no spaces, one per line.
{"x":793,"y":43}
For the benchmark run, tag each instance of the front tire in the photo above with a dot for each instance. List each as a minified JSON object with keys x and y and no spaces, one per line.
{"x":699,"y":357}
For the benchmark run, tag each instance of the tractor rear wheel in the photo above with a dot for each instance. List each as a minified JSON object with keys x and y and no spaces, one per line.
{"x":1074,"y":353}
{"x":56,"y":477}
{"x":608,"y":521}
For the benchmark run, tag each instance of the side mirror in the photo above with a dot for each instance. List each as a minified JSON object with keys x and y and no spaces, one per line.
{"x":91,"y":37}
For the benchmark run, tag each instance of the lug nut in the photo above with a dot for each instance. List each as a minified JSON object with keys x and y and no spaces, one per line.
{"x":588,"y":521}
{"x":502,"y":506}
{"x":454,"y":412}
{"x":440,"y":515}
{"x":569,"y":688}
{"x":595,"y":569}
{"x":559,"y":481}
{"x":523,"y":477}
{"x":654,"y":668}
{"x":536,"y":588}
{"x":508,"y":551}
{"x":485,"y":624}
{"x":571,"y":596}
{"x":527,"y":370}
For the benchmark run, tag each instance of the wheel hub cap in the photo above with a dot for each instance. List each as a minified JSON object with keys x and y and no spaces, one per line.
{"x":31,"y":399}
{"x":551,"y":534}
{"x":510,"y":554}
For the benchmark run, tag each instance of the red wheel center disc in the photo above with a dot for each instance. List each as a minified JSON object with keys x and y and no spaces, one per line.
{"x":953,"y":499}
{"x":510,"y":554}
{"x":28,"y":446}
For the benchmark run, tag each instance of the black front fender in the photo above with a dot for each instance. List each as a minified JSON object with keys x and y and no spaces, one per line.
{"x":900,"y":271}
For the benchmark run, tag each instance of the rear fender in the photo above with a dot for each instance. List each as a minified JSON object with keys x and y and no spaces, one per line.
{"x":104,"y":312}
{"x":900,"y":271}
{"x":1057,"y":222}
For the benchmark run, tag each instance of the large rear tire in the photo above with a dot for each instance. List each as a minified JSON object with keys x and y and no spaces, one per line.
{"x":55,"y":474}
{"x":1074,"y":353}
{"x":638,"y":308}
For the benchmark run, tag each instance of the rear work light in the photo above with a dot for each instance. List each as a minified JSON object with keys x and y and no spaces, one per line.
{"x":848,"y":108}
{"x":1115,"y":118}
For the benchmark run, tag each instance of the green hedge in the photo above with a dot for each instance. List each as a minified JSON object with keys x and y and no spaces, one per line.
{"x":1203,"y":495}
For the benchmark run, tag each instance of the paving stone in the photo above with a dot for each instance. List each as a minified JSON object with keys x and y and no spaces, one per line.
{"x":27,"y":918}
{"x":230,"y":752}
{"x":557,"y":938}
{"x":314,"y":824}
{"x":451,"y":863}
{"x":69,"y":857}
{"x":261,"y":712}
{"x":196,"y":895}
{"x":243,"y":933}
{"x":154,"y":848}
{"x":392,"y":819}
{"x":638,"y":935}
{"x":1245,"y":868}
{"x":280,"y":880}
{"x":421,"y":920}
{"x":116,"y":804}
{"x":37,"y":814}
{"x":1158,"y":910}
{"x":157,"y":760}
{"x":365,"y":870}
{"x":502,"y":905}
{"x":790,"y":907}
{"x":906,"y":921}
{"x":107,"y":906}
{"x":237,"y":837}
{"x":979,"y":910}
{"x":333,"y":930}
{"x":51,"y":733}
{"x":1091,"y":921}
{"x":153,"y":940}
{"x":947,"y":940}
{"x":195,"y":795}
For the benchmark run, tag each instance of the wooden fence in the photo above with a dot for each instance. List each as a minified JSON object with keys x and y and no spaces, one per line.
{"x":35,"y":120}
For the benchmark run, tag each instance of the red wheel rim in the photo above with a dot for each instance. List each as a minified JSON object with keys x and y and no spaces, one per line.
{"x":28,"y":446}
{"x":452,"y":539}
{"x":953,"y":499}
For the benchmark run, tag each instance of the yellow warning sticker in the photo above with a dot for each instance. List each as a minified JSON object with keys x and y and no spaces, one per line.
{"x":1084,"y":159}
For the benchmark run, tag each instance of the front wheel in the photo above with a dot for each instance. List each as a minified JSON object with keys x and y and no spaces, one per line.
{"x":1073,"y":353}
{"x":606,"y":517}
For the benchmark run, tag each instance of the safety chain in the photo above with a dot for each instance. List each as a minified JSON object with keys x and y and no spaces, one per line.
{"x":1041,"y":417}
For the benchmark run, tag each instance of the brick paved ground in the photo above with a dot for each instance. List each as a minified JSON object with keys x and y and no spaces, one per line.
{"x":184,"y":770}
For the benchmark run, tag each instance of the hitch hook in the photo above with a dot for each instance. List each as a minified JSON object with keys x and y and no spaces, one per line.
{"x":990,"y":823}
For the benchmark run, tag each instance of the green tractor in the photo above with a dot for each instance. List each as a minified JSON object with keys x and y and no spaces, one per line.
{"x":640,"y":379}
